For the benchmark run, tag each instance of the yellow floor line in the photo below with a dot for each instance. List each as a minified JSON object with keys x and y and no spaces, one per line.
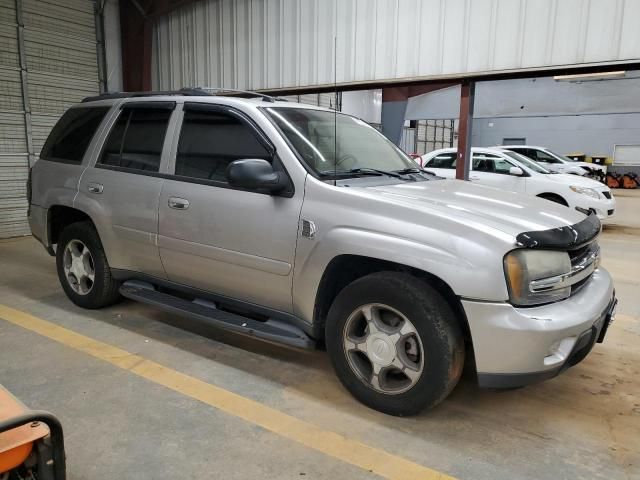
{"x":330,"y":443}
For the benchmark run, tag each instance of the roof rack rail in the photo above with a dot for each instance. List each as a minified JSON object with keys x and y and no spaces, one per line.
{"x":189,"y":92}
{"x":222,"y":90}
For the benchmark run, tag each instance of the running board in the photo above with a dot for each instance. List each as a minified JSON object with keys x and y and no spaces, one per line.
{"x":271,"y":330}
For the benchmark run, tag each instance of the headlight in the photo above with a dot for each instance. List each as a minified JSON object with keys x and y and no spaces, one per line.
{"x":522,"y":267}
{"x":585,"y":191}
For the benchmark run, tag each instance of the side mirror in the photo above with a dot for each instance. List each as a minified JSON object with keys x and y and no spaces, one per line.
{"x":516,"y":171}
{"x":256,"y":174}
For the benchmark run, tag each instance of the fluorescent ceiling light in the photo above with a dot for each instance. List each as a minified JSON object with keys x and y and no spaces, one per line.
{"x":589,"y":76}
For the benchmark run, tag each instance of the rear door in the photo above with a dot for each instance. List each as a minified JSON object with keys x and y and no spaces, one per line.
{"x":228,"y":241}
{"x":121,"y":190}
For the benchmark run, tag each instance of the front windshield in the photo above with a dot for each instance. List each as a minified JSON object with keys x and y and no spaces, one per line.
{"x":564,"y":157}
{"x":333,"y":143}
{"x":530,"y":164}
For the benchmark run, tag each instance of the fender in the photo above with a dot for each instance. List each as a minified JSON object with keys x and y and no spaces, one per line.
{"x":471,"y":275}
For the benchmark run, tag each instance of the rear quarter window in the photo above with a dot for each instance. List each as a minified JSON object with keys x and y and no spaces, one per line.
{"x":70,"y":137}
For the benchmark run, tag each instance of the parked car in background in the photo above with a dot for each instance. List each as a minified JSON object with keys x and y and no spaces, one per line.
{"x":511,"y":171}
{"x":557,"y":163}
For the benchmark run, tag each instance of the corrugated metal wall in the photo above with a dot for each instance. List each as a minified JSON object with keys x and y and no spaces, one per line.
{"x":48,"y":61}
{"x":253,"y":44}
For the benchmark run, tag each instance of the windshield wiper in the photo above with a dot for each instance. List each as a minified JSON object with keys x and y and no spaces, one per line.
{"x":374,"y":171}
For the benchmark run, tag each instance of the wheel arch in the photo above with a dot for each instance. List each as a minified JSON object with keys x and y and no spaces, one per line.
{"x":61,"y":216}
{"x":344,"y":269}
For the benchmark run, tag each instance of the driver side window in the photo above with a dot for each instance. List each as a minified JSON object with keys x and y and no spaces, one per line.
{"x":210,"y":141}
{"x":487,"y":163}
{"x":543,"y":157}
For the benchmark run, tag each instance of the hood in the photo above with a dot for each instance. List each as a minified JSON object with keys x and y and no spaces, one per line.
{"x":477,"y":206}
{"x":593,"y":166}
{"x":578,"y":181}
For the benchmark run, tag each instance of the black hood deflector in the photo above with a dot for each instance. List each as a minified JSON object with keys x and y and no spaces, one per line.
{"x":564,"y":238}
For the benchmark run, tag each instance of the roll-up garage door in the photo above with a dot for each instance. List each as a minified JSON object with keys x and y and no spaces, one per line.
{"x":48,"y":61}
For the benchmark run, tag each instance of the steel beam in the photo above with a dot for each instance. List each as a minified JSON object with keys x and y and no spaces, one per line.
{"x":26,"y":103}
{"x":467,"y":97}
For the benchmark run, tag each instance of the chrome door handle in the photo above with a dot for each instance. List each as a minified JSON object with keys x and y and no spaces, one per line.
{"x":178,"y":203}
{"x":95,"y":187}
{"x":474,"y":178}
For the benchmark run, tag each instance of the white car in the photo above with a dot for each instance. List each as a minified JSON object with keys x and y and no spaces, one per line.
{"x":557,"y":163}
{"x":511,"y":171}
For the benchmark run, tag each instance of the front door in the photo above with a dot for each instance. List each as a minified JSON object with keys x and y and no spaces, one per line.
{"x":493,"y":170}
{"x":236,"y":243}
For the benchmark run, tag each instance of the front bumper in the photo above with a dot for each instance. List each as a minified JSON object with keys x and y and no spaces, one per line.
{"x":518,"y":346}
{"x":603,"y":208}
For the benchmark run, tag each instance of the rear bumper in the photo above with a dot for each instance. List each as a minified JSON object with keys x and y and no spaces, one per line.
{"x":38,"y":225}
{"x":518,"y":346}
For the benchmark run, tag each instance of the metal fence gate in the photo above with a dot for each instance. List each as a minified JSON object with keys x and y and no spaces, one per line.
{"x":48,"y":61}
{"x":434,"y":134}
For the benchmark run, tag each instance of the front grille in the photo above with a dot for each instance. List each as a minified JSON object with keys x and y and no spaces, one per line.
{"x":607,"y":195}
{"x":580,"y":255}
{"x":610,"y":212}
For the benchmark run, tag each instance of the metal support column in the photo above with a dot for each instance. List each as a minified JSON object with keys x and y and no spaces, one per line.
{"x":100,"y":44}
{"x":23,"y":80}
{"x":463,"y":162}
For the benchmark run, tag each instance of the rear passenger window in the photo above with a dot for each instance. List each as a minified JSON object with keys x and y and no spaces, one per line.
{"x":136,"y":139}
{"x":69,"y":139}
{"x":209,"y":141}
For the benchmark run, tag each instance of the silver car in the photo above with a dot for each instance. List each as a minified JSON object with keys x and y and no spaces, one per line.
{"x":303,"y":226}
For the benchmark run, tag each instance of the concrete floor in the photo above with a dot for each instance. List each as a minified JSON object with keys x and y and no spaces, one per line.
{"x":583,"y":424}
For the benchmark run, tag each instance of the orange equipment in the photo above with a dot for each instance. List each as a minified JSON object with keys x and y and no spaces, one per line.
{"x":30,"y":440}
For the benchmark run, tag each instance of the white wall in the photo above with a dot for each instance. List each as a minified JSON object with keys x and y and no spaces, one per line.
{"x":364,"y":104}
{"x":254,"y":44}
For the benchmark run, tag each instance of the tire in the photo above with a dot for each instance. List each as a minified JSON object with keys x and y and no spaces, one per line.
{"x":398,"y":297}
{"x":98,"y":292}
{"x":554,"y":198}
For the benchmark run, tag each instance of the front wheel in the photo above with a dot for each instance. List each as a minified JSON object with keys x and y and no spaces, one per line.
{"x":395,"y":343}
{"x":82,"y":266}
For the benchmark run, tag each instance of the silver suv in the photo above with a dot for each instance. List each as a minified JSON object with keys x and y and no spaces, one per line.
{"x":303,"y":226}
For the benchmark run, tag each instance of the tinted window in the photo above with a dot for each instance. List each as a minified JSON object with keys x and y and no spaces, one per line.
{"x":69,"y":139}
{"x":490,"y":164}
{"x":209,"y":141}
{"x":443,"y":160}
{"x":541,"y":156}
{"x":136,"y":139}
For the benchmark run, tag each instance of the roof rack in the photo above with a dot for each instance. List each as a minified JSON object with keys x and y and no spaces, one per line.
{"x":188,"y":92}
{"x":221,"y":91}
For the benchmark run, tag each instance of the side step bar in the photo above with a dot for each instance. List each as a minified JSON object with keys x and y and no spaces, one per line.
{"x":270,"y":330}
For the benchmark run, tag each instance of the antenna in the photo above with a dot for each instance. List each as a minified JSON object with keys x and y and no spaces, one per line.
{"x":220,"y":90}
{"x":335,"y":106}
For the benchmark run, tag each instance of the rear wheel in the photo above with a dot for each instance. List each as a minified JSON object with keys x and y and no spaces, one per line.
{"x":82,"y":266}
{"x":395,"y":343}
